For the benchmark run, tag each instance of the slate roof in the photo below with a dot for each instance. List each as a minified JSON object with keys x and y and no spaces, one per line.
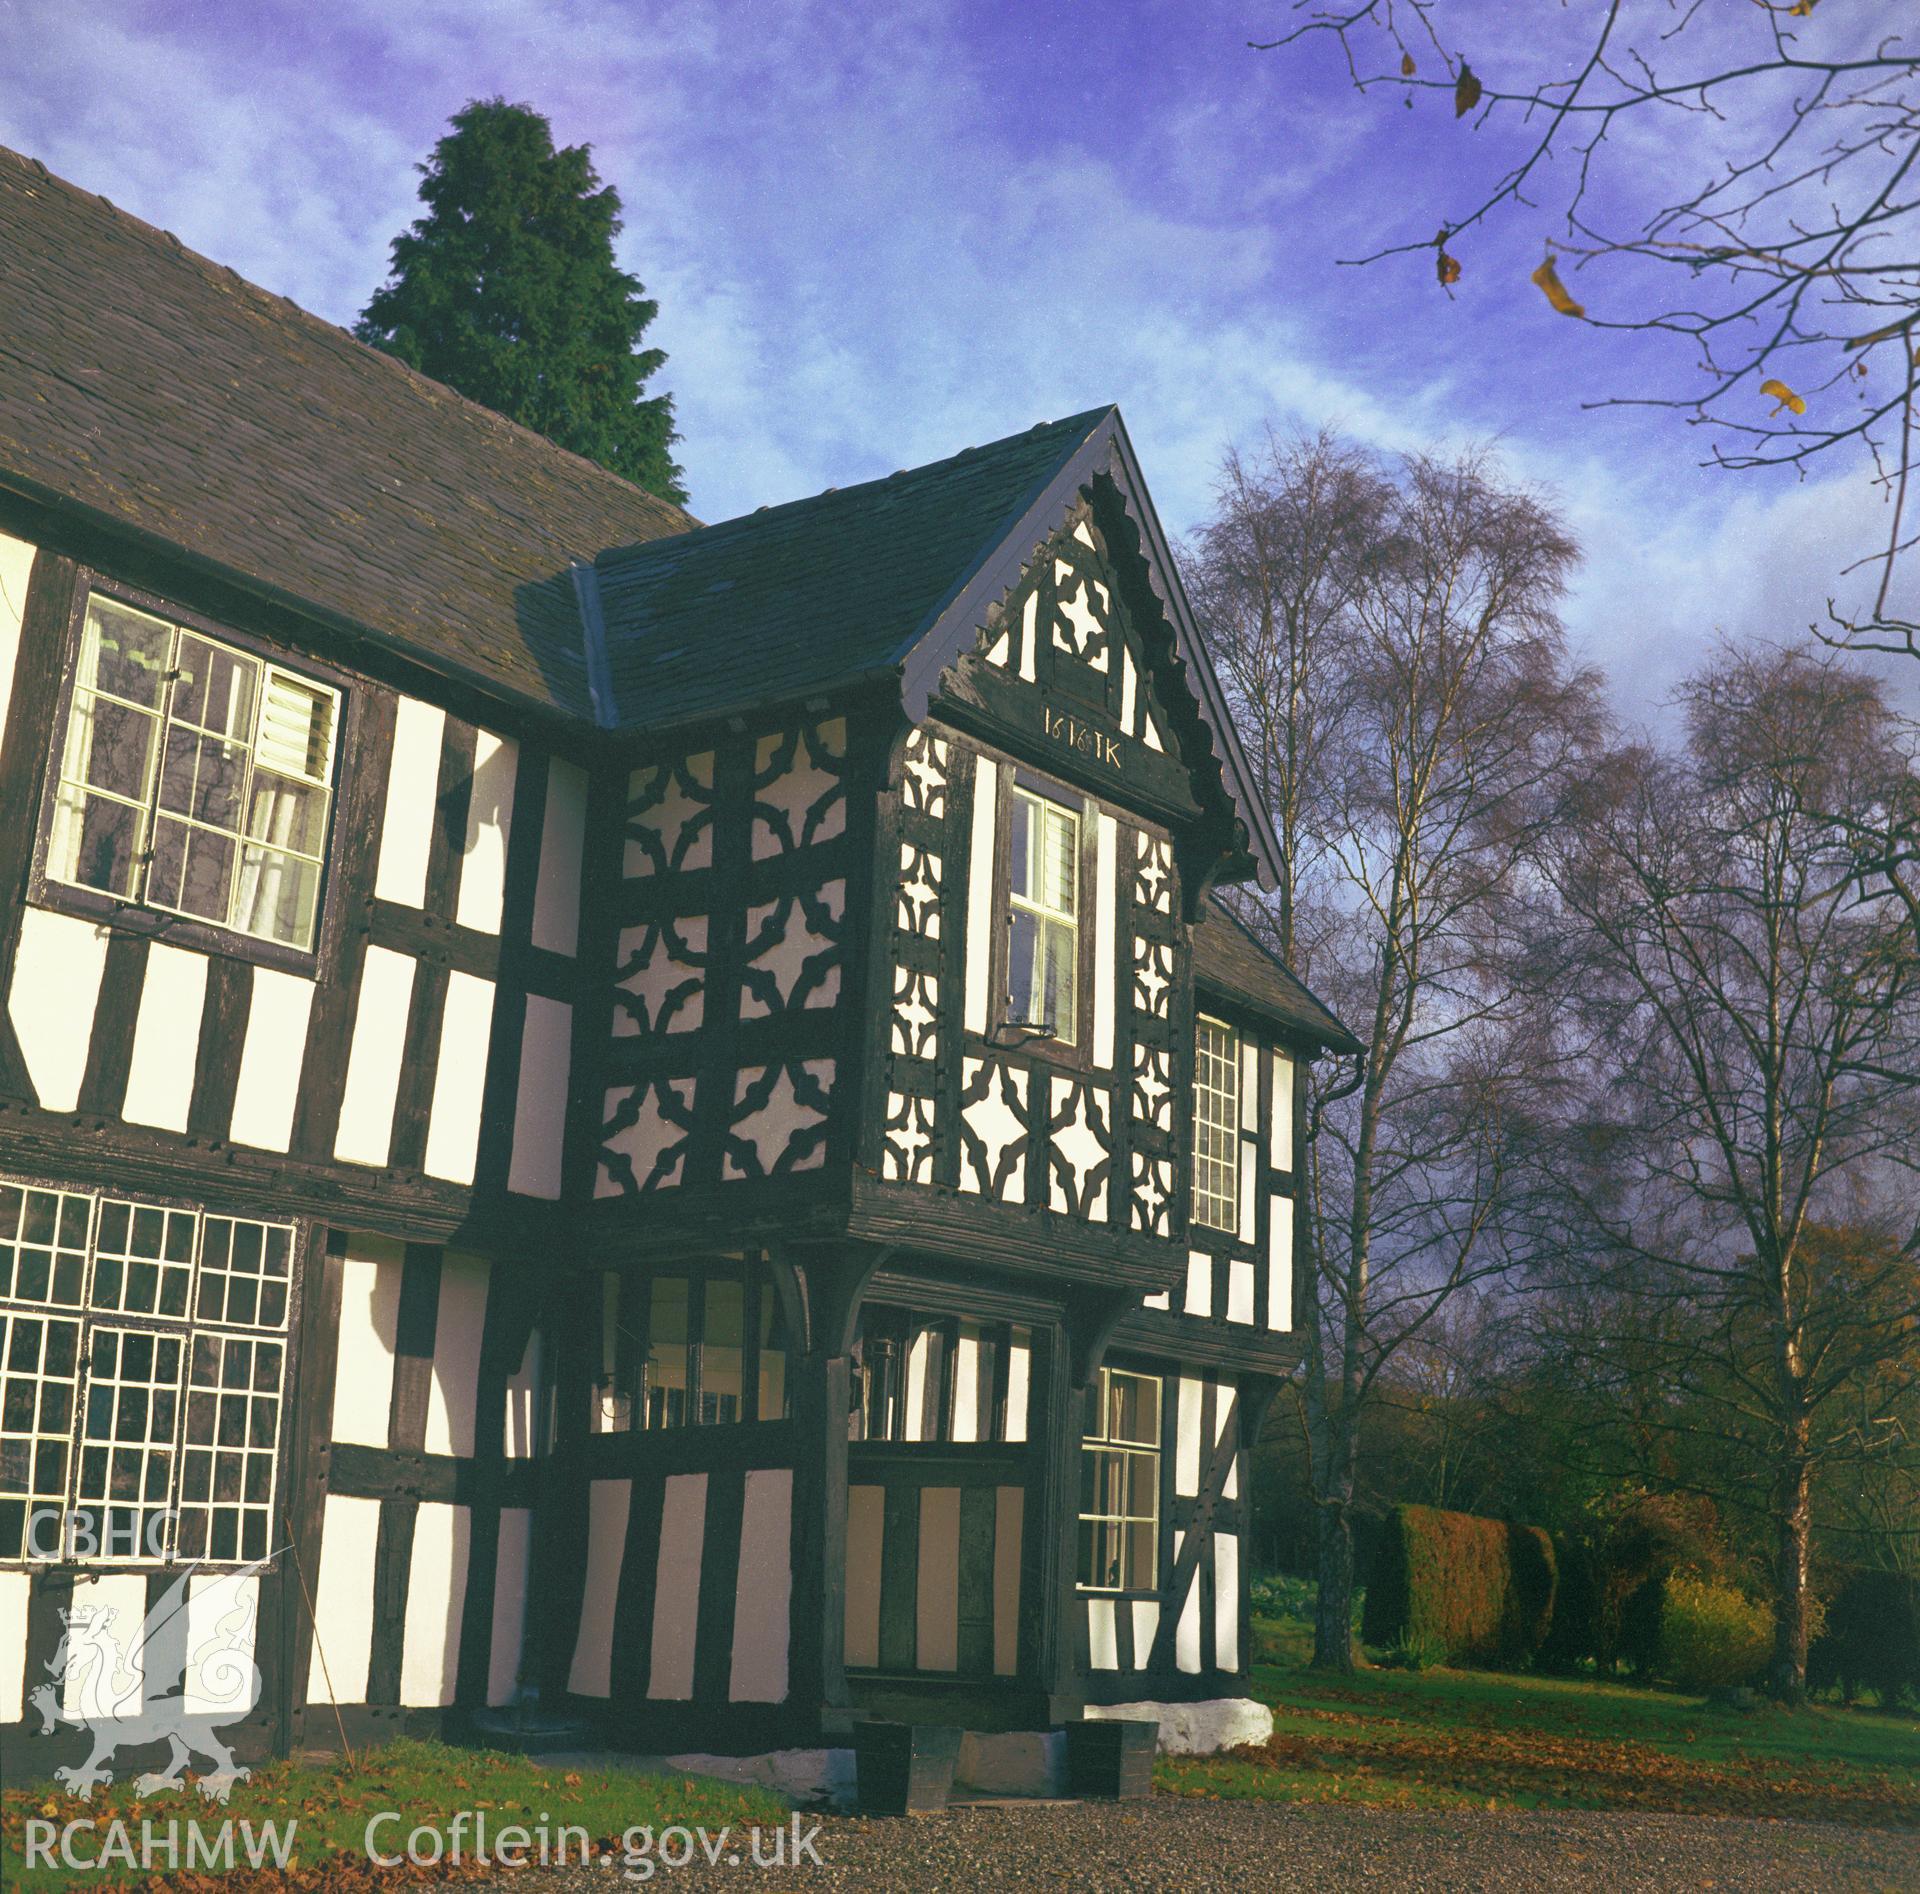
{"x":1231,"y":960}
{"x":819,"y":591}
{"x":166,"y":394}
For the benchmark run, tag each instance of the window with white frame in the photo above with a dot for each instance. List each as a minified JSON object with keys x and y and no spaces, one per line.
{"x":194,"y":777}
{"x":1120,"y":1484}
{"x":1043,"y":925}
{"x":1216,"y":1124}
{"x":144,"y":1405}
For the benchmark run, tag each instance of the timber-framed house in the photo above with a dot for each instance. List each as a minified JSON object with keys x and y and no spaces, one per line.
{"x":601,"y":1118}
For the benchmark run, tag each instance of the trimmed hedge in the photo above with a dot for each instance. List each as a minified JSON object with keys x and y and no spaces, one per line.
{"x":1871,"y":1636}
{"x":1480,"y":1590}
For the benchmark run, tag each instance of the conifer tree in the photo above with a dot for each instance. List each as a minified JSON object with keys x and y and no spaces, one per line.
{"x":507,"y":290}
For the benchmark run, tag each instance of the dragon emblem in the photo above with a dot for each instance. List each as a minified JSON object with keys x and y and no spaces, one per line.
{"x":153,"y":1688}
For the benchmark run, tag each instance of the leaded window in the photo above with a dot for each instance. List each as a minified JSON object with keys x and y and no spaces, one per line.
{"x":140,"y":1412}
{"x":684,"y":1347}
{"x":1120,"y":1484}
{"x":1216,"y":1125}
{"x":39,"y":1385}
{"x":1043,"y":926}
{"x":194,"y":777}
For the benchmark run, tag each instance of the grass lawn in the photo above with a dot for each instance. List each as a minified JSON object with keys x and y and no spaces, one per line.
{"x":331,"y":1805}
{"x":1480,"y":1739}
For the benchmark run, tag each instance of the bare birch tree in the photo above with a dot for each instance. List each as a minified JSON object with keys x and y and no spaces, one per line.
{"x":1750,"y":1008}
{"x":1399,"y":667}
{"x":1739,"y":178}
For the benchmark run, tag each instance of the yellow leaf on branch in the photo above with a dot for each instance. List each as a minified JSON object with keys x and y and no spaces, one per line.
{"x":1466,"y":91}
{"x":1407,"y":67}
{"x":1555,"y":291}
{"x":1784,"y":396}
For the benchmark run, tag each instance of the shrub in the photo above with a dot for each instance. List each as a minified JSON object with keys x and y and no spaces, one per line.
{"x":1711,"y":1635}
{"x":1474,"y":1590}
{"x":1871,"y":1636}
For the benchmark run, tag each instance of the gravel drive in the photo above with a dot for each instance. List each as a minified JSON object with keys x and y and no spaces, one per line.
{"x":1178,"y":1844}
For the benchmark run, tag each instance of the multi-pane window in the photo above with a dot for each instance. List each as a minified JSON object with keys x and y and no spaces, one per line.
{"x":43,"y":1245}
{"x":1043,"y":908}
{"x":39,"y":1384}
{"x":685,"y":1350}
{"x":127,"y":1443}
{"x":1216,"y":1125}
{"x":143,"y":1426}
{"x":924,"y":1378}
{"x":194,"y":777}
{"x":1120,"y":1484}
{"x":228,"y":1446}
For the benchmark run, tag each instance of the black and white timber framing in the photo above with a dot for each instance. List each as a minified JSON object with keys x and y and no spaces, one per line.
{"x":635,"y":1191}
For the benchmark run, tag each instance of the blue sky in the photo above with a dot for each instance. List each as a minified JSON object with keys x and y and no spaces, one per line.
{"x":881,"y":232}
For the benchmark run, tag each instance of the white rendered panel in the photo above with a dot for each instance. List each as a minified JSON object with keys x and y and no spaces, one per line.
{"x":369,"y":1327}
{"x":758,"y":1672}
{"x":1249,"y":1088}
{"x":866,"y":1533}
{"x":608,"y":1503}
{"x":166,"y":1038}
{"x":223,"y":1626}
{"x":1280,"y":1262}
{"x":1146,"y":1627}
{"x":343,"y":1601}
{"x":56,"y":985}
{"x":459,"y":1078}
{"x":1186,"y":1633}
{"x":1240,"y":1288}
{"x":1103,"y":1644}
{"x":1225,"y":1417}
{"x":1280,"y":1154}
{"x":125,"y":1595}
{"x":16,"y":567}
{"x":979,"y":948}
{"x":1199,"y":1299}
{"x":1226,"y":1601}
{"x":509,"y":1636}
{"x":676,"y":1596}
{"x":937,"y":1582}
{"x":413,"y":795}
{"x":1009,"y":1518}
{"x":458,"y":1325}
{"x":1163,"y":1300}
{"x":540,"y":1111}
{"x":1106,"y":903}
{"x":272,"y":1059}
{"x":14,"y":1587}
{"x":483,"y":853}
{"x":1249,"y":1229}
{"x":365,"y":1135}
{"x":556,"y":895}
{"x":1187,"y":1442}
{"x":436,"y":1599}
